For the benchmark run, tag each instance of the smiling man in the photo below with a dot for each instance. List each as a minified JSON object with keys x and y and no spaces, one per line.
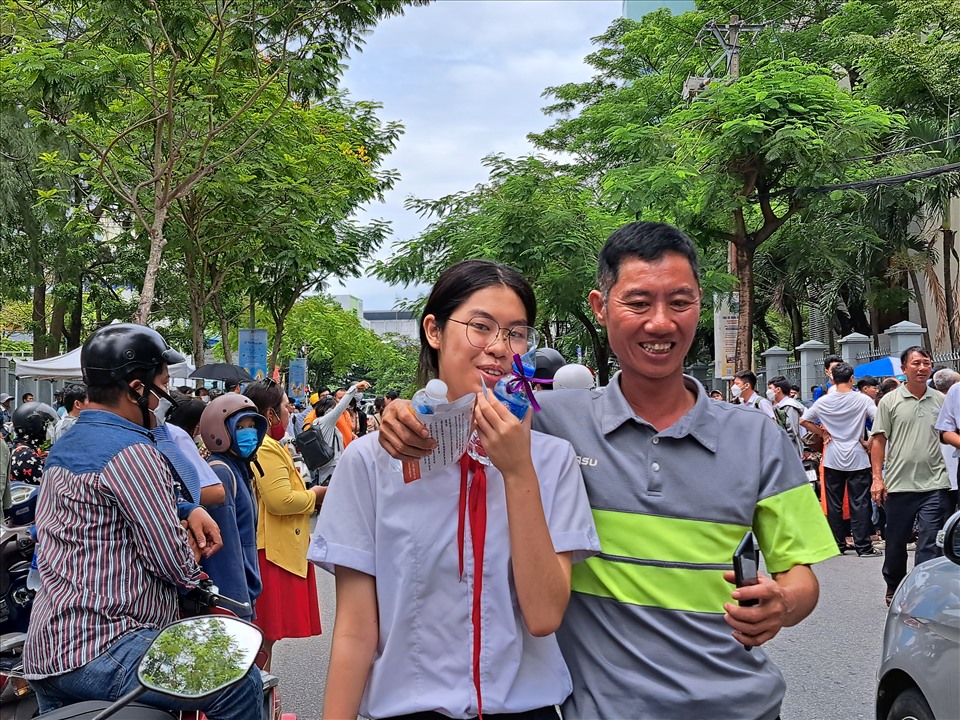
{"x":654,"y":628}
{"x":909,"y":475}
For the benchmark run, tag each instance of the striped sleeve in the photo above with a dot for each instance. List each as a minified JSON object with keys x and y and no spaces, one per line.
{"x":141,"y":483}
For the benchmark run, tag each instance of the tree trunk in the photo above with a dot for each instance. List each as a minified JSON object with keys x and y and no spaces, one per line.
{"x":39,"y":318}
{"x":157,"y":243}
{"x":796,"y":326}
{"x":57,"y":326}
{"x":224,"y":330}
{"x":949,"y":248}
{"x":74,"y":329}
{"x":744,"y":353}
{"x":600,"y":350}
{"x":921,"y":308}
{"x":197,"y":315}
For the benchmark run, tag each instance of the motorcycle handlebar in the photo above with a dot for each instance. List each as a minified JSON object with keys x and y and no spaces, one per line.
{"x":206,"y":596}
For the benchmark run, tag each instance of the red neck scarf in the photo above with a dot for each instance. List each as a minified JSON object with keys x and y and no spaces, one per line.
{"x":476,"y":505}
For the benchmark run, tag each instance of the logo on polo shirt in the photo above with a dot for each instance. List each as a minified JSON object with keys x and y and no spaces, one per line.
{"x":589,"y":461}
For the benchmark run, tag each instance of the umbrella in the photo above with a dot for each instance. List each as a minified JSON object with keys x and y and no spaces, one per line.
{"x":882,"y":367}
{"x":222,"y":371}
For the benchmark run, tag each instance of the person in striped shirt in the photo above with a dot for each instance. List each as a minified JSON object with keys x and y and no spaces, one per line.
{"x":113,"y":541}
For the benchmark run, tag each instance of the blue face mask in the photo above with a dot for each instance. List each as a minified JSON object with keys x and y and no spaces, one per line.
{"x":247,"y":441}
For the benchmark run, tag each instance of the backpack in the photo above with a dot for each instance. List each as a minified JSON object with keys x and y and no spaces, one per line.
{"x":314,"y":449}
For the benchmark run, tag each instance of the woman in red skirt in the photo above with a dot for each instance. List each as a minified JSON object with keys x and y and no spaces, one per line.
{"x":288,"y":606}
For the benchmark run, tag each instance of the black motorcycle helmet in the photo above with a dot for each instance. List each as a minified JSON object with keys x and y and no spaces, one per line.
{"x":31,"y":420}
{"x":548,"y":362}
{"x":113,"y":353}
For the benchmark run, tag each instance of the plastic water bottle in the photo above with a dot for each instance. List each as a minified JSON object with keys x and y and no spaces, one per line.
{"x":516,"y":402}
{"x":33,"y":577}
{"x":426,"y":400}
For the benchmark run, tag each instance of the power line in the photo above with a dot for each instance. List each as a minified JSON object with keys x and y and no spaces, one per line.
{"x":901,"y":150}
{"x":865,"y":184}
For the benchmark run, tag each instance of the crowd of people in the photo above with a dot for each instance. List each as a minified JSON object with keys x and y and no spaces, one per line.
{"x":585,"y":563}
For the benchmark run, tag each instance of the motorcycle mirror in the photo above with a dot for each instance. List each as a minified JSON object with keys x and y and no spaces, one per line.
{"x":194,"y":658}
{"x":199,"y":656}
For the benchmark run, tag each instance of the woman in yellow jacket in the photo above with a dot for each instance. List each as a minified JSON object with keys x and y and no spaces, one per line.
{"x":288,"y":606}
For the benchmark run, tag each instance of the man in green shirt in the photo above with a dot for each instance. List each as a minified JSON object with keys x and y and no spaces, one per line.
{"x":911,"y":482}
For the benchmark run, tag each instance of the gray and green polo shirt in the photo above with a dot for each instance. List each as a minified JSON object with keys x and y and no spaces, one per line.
{"x":644,"y":635}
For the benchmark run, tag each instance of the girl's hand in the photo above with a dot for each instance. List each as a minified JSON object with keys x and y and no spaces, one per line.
{"x":505,"y":439}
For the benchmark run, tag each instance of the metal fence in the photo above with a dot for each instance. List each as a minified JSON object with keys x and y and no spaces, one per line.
{"x":873,"y":354}
{"x":42,"y":390}
{"x":950,"y":360}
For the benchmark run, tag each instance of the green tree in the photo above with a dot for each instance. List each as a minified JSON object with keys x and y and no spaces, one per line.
{"x":532,"y":216}
{"x":718,"y":165}
{"x":157,"y":92}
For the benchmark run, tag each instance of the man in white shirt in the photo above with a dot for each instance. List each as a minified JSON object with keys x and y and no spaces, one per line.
{"x":74,"y":400}
{"x":744,"y":389}
{"x":947,"y":381}
{"x":843,"y":416}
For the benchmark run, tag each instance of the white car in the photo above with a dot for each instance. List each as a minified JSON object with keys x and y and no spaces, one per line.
{"x":919,"y":676}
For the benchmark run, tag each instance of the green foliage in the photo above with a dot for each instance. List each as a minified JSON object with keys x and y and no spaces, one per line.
{"x":532,"y":216}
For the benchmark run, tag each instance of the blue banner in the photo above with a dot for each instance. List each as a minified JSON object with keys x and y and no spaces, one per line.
{"x":253,"y":352}
{"x":297,"y":379}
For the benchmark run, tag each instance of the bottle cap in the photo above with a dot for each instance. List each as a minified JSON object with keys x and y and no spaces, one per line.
{"x":437,"y":389}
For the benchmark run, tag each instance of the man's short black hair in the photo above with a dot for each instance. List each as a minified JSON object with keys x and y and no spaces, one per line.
{"x":748,"y":377}
{"x":72,"y":394}
{"x":26,"y":397}
{"x":867,"y":381}
{"x":782,"y":385}
{"x":795,"y":388}
{"x":922,"y":351}
{"x":775,"y":380}
{"x":392,"y":395}
{"x":842,"y":372}
{"x":830,"y":360}
{"x":648,"y":241}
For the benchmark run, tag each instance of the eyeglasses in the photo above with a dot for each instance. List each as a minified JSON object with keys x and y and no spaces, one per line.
{"x":483,"y":332}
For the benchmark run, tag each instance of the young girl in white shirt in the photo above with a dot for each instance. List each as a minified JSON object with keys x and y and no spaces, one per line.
{"x":449,"y":588}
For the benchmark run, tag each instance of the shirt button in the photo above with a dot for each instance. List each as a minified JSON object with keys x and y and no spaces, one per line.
{"x":297,"y":531}
{"x":655,"y":467}
{"x":656,"y":441}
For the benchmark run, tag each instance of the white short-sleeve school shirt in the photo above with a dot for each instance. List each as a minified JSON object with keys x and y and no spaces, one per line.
{"x":406,"y":536}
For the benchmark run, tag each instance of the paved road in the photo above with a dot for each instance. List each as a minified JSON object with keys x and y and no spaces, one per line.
{"x":829,"y":661}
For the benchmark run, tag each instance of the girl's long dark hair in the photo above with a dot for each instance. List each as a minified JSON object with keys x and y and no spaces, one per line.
{"x":453,"y":287}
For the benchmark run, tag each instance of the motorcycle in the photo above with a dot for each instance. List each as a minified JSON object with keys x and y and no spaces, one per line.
{"x":172,"y":666}
{"x":204,"y":601}
{"x":811,"y":465}
{"x":17,"y":546}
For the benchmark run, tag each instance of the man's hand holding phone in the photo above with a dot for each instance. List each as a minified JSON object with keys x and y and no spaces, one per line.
{"x":759,"y":612}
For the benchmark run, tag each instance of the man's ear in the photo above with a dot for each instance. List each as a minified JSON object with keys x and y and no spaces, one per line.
{"x":598,"y":306}
{"x":432,"y":331}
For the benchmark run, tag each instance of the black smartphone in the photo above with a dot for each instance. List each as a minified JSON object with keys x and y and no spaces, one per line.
{"x":746,"y":564}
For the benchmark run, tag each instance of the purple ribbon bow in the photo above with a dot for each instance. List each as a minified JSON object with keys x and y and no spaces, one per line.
{"x":520,"y":381}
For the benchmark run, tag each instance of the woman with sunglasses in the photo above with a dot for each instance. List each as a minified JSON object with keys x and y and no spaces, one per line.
{"x":288,"y":606}
{"x":443,"y":611}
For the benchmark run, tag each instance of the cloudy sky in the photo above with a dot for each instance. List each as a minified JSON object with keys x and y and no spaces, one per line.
{"x":465,"y":78}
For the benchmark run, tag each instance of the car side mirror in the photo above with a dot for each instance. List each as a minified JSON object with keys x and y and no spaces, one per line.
{"x":951,"y":539}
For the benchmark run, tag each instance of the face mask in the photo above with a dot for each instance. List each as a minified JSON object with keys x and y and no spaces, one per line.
{"x":164,"y":406}
{"x":247,"y":441}
{"x":278,"y":431}
{"x":771,"y":395}
{"x":205,"y":398}
{"x":735,"y":391}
